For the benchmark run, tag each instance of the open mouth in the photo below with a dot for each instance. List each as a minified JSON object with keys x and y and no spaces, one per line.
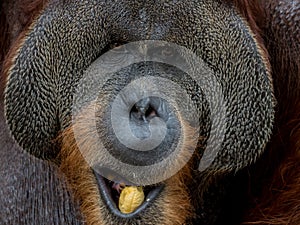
{"x":113,"y":196}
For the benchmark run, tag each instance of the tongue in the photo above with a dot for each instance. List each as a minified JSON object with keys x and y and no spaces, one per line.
{"x":118,"y":186}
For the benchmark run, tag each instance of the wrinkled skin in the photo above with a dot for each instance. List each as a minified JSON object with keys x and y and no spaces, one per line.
{"x":47,"y":46}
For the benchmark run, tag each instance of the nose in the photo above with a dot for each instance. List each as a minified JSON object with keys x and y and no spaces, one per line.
{"x":142,"y":112}
{"x":153,"y":132}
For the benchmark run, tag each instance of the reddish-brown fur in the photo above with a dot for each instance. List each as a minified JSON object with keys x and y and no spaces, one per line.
{"x":278,"y":202}
{"x":275,"y":180}
{"x":174,"y":201}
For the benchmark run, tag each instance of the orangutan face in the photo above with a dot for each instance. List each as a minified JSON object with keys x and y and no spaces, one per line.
{"x":151,"y":103}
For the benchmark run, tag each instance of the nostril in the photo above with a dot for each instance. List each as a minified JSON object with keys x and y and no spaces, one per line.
{"x":143,"y":110}
{"x":150,"y":112}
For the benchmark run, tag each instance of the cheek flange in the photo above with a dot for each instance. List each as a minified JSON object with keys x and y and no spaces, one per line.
{"x":43,"y":76}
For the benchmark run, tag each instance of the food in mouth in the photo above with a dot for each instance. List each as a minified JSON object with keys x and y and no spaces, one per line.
{"x":131,"y":198}
{"x":128,"y":198}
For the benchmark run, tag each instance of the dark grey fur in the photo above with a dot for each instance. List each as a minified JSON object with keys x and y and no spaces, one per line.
{"x":52,"y":61}
{"x":32,"y":191}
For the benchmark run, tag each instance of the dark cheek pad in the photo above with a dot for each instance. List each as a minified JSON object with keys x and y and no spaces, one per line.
{"x":48,"y":66}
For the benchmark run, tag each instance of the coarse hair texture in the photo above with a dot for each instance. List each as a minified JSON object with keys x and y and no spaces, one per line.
{"x":275,"y":180}
{"x":15,"y":18}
